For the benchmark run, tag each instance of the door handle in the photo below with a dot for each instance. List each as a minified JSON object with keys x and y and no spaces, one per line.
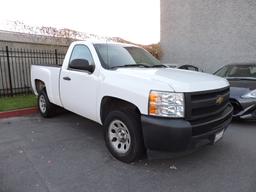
{"x":67,"y":78}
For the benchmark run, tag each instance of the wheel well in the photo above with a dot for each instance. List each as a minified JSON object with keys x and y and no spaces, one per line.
{"x":112,"y":103}
{"x":236,"y":105}
{"x":40,"y":85}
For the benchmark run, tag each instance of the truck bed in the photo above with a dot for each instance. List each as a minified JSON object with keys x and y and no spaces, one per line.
{"x":49,"y":74}
{"x":48,"y":65}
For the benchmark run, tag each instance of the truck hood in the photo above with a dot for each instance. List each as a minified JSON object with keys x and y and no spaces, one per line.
{"x":178,"y":80}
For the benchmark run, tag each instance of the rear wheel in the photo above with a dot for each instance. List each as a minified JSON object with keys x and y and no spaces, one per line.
{"x":123,"y":136}
{"x":46,"y":108}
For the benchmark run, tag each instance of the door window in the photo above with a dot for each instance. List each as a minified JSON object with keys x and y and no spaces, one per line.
{"x":81,"y":52}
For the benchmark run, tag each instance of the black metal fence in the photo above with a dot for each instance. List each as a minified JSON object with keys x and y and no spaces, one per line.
{"x":15,"y":68}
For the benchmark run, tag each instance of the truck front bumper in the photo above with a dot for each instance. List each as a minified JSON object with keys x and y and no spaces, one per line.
{"x":166,"y":134}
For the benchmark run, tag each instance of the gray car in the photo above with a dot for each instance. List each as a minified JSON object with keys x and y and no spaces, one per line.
{"x":242,"y":79}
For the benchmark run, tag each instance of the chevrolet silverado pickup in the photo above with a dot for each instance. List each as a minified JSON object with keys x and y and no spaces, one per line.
{"x":141,"y":104}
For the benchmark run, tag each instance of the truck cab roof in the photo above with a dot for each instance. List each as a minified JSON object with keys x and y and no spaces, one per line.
{"x":103,"y":42}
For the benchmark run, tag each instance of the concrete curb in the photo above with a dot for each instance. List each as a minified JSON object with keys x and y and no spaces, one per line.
{"x":18,"y":112}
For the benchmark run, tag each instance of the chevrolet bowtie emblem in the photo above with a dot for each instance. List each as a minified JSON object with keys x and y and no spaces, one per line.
{"x":219,"y":100}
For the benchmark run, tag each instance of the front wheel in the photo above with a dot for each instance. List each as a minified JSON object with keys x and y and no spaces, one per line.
{"x":123,"y":136}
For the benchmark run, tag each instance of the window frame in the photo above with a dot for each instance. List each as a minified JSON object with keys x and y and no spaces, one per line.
{"x":79,"y":70}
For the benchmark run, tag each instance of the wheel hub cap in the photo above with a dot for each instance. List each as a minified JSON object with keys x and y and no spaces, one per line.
{"x":119,"y":136}
{"x":42,"y":104}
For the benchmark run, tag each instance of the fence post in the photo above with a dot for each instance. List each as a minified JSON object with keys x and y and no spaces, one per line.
{"x":56,"y":56}
{"x":9,"y":69}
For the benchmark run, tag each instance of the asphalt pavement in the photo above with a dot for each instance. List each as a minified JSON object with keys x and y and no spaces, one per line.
{"x":67,"y":154}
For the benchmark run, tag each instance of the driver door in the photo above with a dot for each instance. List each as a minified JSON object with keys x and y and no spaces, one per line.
{"x":78,"y":88}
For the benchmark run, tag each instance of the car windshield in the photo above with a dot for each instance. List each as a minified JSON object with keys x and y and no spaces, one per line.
{"x":114,"y":56}
{"x":237,"y":71}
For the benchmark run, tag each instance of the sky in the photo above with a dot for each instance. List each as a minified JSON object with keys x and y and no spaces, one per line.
{"x":134,"y":20}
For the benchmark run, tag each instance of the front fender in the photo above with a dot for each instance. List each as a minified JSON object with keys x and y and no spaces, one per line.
{"x":132,"y":90}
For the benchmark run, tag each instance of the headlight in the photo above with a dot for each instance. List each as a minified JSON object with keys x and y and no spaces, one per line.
{"x":166,"y":104}
{"x":250,"y":95}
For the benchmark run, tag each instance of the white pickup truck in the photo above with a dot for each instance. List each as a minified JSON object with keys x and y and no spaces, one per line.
{"x":141,"y":103}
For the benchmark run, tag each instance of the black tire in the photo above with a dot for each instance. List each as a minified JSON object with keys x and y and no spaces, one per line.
{"x":49,"y":109}
{"x":136,"y":148}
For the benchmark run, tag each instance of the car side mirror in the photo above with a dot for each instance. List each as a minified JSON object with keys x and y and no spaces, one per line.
{"x":81,"y":64}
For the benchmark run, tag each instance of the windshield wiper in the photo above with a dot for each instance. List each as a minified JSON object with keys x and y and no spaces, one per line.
{"x":130,"y":65}
{"x":158,"y":66}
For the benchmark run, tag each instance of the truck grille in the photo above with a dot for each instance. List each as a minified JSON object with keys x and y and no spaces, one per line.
{"x":206,"y":106}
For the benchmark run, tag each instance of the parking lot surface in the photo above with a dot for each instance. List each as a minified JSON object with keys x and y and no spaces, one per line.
{"x":67,"y":154}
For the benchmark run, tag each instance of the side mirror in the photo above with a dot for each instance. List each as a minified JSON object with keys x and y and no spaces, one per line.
{"x":81,"y":64}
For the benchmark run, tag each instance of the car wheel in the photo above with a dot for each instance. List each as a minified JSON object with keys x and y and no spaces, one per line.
{"x":46,"y":108}
{"x":123,"y":136}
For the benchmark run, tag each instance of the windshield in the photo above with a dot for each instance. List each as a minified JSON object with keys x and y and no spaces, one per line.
{"x":112,"y":56}
{"x":237,"y":71}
